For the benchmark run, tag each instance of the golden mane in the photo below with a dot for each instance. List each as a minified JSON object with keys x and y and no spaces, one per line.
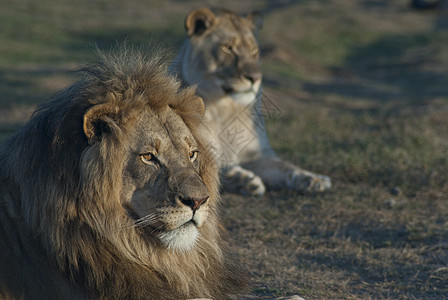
{"x":60,"y":209}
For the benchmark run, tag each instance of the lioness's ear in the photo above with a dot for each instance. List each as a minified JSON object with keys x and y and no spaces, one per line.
{"x":99,"y":119}
{"x":197,"y":104}
{"x":198,"y":21}
{"x":256,"y":18}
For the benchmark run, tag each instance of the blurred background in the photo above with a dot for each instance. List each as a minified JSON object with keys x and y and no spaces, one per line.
{"x":360,"y":93}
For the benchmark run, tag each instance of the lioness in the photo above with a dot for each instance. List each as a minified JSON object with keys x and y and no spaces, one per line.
{"x":221,"y":56}
{"x":109,"y":193}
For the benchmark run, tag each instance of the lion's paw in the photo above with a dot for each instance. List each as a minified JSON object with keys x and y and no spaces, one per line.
{"x":303,"y":181}
{"x":242,"y":181}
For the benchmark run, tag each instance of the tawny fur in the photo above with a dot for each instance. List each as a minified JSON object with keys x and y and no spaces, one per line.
{"x":221,"y":56}
{"x":64,"y":232}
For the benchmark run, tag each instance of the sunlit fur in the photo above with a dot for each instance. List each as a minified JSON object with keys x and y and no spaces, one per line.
{"x":221,"y":55}
{"x":64,"y":232}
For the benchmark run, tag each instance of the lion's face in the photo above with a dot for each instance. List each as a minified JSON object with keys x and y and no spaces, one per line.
{"x":224,"y":55}
{"x":164,"y":191}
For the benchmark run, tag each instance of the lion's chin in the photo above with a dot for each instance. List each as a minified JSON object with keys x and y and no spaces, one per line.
{"x":182,"y":238}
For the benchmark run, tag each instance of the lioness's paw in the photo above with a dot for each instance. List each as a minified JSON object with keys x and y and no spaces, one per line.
{"x":308,"y":182}
{"x":242,"y":181}
{"x":254,"y":186}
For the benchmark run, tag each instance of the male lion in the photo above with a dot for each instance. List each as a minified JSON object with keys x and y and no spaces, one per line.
{"x":109,"y":193}
{"x":221,"y":56}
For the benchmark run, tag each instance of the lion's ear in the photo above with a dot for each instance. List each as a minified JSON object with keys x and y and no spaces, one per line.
{"x":100,"y":119}
{"x":198,"y":21}
{"x":256,"y":18}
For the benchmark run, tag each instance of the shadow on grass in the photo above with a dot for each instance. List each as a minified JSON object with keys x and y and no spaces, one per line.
{"x":405,"y":279}
{"x":376,"y":235}
{"x":371,"y":255}
{"x":13,"y":90}
{"x":168,"y":39}
{"x":408,"y":69}
{"x":23,"y":86}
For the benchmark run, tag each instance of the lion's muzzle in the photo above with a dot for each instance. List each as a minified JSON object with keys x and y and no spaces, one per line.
{"x":193,"y":202}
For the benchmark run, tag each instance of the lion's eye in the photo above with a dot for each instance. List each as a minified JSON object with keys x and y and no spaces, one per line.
{"x":226,"y":48}
{"x":147,"y":157}
{"x":193,"y":155}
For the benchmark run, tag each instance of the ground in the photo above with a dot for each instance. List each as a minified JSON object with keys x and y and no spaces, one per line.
{"x":353,"y":89}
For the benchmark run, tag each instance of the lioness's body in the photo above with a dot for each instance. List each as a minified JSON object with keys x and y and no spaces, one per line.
{"x":221,"y":56}
{"x":109,"y":193}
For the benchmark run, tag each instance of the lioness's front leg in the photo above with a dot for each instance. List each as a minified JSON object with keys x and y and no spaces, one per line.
{"x":279,"y":174}
{"x":236,"y":179}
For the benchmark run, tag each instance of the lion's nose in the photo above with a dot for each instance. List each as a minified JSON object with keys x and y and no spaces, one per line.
{"x":193,"y":202}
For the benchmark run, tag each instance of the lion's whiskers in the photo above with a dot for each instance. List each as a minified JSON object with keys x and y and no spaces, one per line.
{"x":146,"y":220}
{"x":149,"y":219}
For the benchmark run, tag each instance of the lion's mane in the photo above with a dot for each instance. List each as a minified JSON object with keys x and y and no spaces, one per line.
{"x":64,"y":232}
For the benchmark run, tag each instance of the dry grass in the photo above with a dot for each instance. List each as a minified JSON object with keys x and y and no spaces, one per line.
{"x":361,"y":94}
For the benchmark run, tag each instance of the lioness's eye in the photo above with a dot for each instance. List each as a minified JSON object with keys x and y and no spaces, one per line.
{"x":226,"y":48}
{"x":147,"y":157}
{"x":254,"y":51}
{"x":193,"y":155}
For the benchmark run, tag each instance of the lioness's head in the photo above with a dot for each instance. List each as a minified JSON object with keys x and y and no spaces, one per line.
{"x":223,"y":57}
